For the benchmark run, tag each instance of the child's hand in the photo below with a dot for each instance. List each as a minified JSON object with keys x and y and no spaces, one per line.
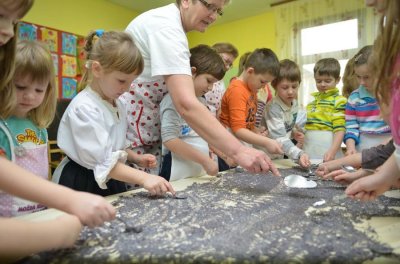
{"x":299,"y":137}
{"x":92,"y":210}
{"x":157,"y":186}
{"x":304,"y":161}
{"x":329,"y":155}
{"x":344,"y":177}
{"x":263,"y":131}
{"x":146,"y":161}
{"x":211,"y":167}
{"x":71,"y":227}
{"x":350,"y":151}
{"x":273,"y":146}
{"x":322,"y":170}
{"x":369,"y":187}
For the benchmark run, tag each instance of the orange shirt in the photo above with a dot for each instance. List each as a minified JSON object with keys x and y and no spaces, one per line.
{"x":238,"y":107}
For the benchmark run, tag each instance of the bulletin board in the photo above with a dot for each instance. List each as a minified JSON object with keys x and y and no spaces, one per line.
{"x":67,"y":53}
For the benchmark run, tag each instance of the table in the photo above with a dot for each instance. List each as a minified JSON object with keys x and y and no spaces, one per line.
{"x":238,"y":218}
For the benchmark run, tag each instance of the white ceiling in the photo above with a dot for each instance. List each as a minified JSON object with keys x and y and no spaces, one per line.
{"x":237,"y":9}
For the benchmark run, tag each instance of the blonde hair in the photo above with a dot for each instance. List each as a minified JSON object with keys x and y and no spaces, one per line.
{"x":242,"y":62}
{"x":115,"y":51}
{"x":350,"y":82}
{"x":386,"y":49}
{"x":7,"y":57}
{"x":33,"y":60}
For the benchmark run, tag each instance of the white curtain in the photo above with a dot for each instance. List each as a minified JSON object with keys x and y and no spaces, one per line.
{"x":294,"y":16}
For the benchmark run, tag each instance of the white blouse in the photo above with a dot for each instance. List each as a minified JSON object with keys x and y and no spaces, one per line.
{"x":92,"y":133}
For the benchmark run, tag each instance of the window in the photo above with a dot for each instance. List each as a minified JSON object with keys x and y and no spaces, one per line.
{"x":331,"y":37}
{"x":339,"y":39}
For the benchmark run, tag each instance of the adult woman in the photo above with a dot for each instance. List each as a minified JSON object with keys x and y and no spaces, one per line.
{"x":160,"y":34}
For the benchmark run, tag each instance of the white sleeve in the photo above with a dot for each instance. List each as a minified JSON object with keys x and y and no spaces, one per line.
{"x":169,"y":52}
{"x":84,"y":137}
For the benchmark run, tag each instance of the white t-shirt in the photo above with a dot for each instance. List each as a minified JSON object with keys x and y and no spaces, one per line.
{"x":93,"y":134}
{"x":161,"y":39}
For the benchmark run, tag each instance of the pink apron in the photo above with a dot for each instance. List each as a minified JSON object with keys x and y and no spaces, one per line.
{"x":34,"y":160}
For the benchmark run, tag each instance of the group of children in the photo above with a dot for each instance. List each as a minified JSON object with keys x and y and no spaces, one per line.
{"x":113,"y":130}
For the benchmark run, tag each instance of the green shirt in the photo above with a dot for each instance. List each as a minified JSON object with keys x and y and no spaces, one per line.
{"x":326,"y":112}
{"x":20,"y":131}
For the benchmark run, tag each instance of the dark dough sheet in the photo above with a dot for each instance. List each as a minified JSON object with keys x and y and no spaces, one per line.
{"x":235,"y":218}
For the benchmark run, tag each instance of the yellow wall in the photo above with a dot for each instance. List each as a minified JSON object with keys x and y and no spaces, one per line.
{"x":80,"y":16}
{"x":245,"y":34}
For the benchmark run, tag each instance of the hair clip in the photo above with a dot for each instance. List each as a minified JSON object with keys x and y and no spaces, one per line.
{"x":99,"y":32}
{"x":358,"y":57}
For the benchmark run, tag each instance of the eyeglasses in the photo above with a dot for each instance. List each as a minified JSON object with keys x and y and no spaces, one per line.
{"x":212,"y":8}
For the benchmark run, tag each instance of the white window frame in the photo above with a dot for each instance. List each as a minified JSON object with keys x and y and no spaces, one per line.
{"x":307,"y":85}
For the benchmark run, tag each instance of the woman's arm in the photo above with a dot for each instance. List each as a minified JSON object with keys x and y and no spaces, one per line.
{"x":181,"y":89}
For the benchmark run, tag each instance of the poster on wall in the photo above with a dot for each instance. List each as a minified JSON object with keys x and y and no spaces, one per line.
{"x":66,"y":53}
{"x":27,"y":31}
{"x":68,"y":66}
{"x":68,"y":44}
{"x":68,"y":88}
{"x":51,"y":38}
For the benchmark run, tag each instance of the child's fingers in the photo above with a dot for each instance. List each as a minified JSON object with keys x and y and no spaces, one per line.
{"x":169,"y":187}
{"x":274,"y":170}
{"x":333,"y":174}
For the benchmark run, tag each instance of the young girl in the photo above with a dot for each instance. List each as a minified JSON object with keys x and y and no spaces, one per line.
{"x":23,"y":135}
{"x":365,"y":127}
{"x":21,"y":238}
{"x":280,"y":115}
{"x":93,"y":129}
{"x":186,"y":154}
{"x":350,"y":82}
{"x":386,"y":60}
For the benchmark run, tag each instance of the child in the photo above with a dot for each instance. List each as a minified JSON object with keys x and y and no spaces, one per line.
{"x":264,"y":95}
{"x":350,"y":82}
{"x":21,"y":238}
{"x":325,"y":115}
{"x":365,"y":127}
{"x":368,"y":160}
{"x":23,"y":136}
{"x":92,"y":131}
{"x":229,"y":53}
{"x":185,"y":153}
{"x":387,"y":88}
{"x":280,"y":115}
{"x":165,"y":49}
{"x":239,"y":104}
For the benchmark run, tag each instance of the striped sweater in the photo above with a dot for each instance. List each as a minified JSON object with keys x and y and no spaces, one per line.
{"x":326,"y":112}
{"x":363,"y":116}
